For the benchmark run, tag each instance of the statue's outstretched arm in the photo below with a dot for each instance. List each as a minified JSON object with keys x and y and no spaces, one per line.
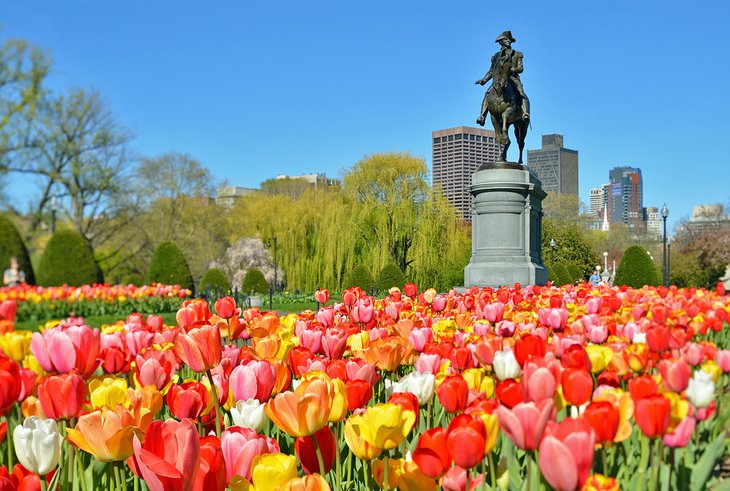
{"x":486,"y":78}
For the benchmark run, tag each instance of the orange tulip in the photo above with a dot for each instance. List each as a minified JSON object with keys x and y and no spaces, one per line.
{"x":106,"y":434}
{"x":199,"y":348}
{"x":312,"y":482}
{"x":303,"y":412}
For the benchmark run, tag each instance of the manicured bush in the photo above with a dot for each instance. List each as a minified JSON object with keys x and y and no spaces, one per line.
{"x":68,"y":259}
{"x":215,"y":279}
{"x":359,"y":276}
{"x":575,"y":272}
{"x":168,"y":266}
{"x":551,"y":274}
{"x":390,"y":276}
{"x":636,"y":269}
{"x":562,"y":275}
{"x":255,"y":281}
{"x":11,"y":245}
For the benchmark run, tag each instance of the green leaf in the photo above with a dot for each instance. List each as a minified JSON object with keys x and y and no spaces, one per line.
{"x":703,"y":468}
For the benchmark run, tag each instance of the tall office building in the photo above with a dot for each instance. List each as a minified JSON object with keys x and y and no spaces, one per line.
{"x":599,"y":198}
{"x":457,"y":154}
{"x":555,"y":165}
{"x":653,"y":222}
{"x":625,"y":198}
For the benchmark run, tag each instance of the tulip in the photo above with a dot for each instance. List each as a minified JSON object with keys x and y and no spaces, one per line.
{"x":675,"y":375}
{"x":682,"y":433}
{"x":529,"y":346}
{"x":199,"y":348}
{"x":212,"y":474}
{"x":383,"y":426}
{"x":38,"y":445}
{"x":108,"y":392}
{"x":410,"y":289}
{"x":190,"y":399}
{"x":510,"y":392}
{"x":62,"y":349}
{"x":240,"y":447}
{"x":700,"y":389}
{"x":466,"y":440}
{"x":104,"y":433}
{"x":431,"y":454}
{"x":309,"y":453}
{"x":577,"y":386}
{"x":722,"y":357}
{"x":16,"y":344}
{"x":623,"y":402}
{"x":303,"y":412}
{"x":10,"y":384}
{"x":155,"y":367}
{"x":505,"y":365}
{"x":322,"y":296}
{"x":541,"y":378}
{"x":458,"y":479}
{"x":407,"y":401}
{"x":269,"y":471}
{"x":453,"y":393}
{"x":525,"y":423}
{"x":310,"y":482}
{"x":225,"y":307}
{"x":642,"y":387}
{"x":604,"y":418}
{"x":62,"y":396}
{"x":652,"y":415}
{"x":249,"y":414}
{"x":566,"y":454}
{"x":598,"y":482}
{"x":169,"y":455}
{"x":254,"y":380}
{"x":422,"y":385}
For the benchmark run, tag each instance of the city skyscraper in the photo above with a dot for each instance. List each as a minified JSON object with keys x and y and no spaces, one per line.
{"x":555,"y":165}
{"x":457,"y":154}
{"x":625,"y":197}
{"x":598,"y":201}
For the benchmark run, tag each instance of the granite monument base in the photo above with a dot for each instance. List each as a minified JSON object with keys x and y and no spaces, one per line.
{"x":506,"y":227}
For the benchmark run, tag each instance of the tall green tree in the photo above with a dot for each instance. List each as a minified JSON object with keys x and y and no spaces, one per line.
{"x":570,"y":245}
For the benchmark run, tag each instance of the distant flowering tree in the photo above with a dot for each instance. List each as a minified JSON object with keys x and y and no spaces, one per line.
{"x":244,"y":254}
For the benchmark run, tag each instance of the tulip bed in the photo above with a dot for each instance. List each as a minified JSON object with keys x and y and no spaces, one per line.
{"x":37,"y":303}
{"x":532,"y":388}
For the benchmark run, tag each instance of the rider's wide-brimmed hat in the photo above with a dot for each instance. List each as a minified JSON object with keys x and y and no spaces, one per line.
{"x":505,"y":35}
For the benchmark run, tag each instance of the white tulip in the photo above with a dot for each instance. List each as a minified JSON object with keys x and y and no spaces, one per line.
{"x":422,"y":385}
{"x":249,"y":414}
{"x":38,"y":445}
{"x":639,"y":338}
{"x":505,"y":365}
{"x":701,"y":389}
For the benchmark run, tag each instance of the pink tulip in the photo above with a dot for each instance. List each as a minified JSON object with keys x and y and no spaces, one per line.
{"x":675,"y":374}
{"x":493,"y":312}
{"x":428,"y":363}
{"x":64,"y":348}
{"x":682,"y":433}
{"x":439,"y":303}
{"x":334,"y":343}
{"x":693,"y":354}
{"x":506,"y":329}
{"x":722,"y":357}
{"x":253,"y":380}
{"x":556,"y":319}
{"x":358,"y":369}
{"x":311,"y":339}
{"x":566,"y":454}
{"x":525,"y":423}
{"x":593,"y":305}
{"x":541,"y":378}
{"x":138,"y":339}
{"x":155,"y":367}
{"x":326,"y":317}
{"x":392,"y":311}
{"x":455,"y":480}
{"x":363,"y":311}
{"x":241,"y":446}
{"x":419,"y":337}
{"x":321,"y":296}
{"x":597,"y":334}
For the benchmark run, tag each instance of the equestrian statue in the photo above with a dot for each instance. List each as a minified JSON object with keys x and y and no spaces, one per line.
{"x":505,"y":100}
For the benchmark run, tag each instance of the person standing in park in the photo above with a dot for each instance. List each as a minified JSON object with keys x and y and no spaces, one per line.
{"x":13,"y":276}
{"x":595,"y":278}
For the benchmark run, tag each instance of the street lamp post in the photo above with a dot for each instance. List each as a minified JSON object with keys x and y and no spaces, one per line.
{"x":273,"y":241}
{"x":605,"y":261}
{"x":665,"y":272}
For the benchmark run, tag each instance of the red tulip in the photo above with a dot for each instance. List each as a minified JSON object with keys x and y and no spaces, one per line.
{"x":575,"y":356}
{"x":253,"y":380}
{"x":653,"y":415}
{"x":453,"y":393}
{"x":529,"y":346}
{"x":225,"y":307}
{"x":241,"y":446}
{"x":525,"y":423}
{"x":169,"y":456}
{"x":199,"y":348}
{"x":431,"y":454}
{"x":62,"y":396}
{"x":410,"y":289}
{"x":577,"y":386}
{"x":675,"y":374}
{"x":466,"y":440}
{"x":322,"y":296}
{"x":307,"y":454}
{"x":10,"y":383}
{"x":510,"y":392}
{"x":8,"y":310}
{"x":114,"y":360}
{"x":566,"y":454}
{"x":657,"y":338}
{"x":642,"y":387}
{"x":359,"y":393}
{"x":188,"y":400}
{"x":212,"y":475}
{"x":604,"y":417}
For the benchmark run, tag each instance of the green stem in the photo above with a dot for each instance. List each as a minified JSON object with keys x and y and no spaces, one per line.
{"x":603,"y":459}
{"x":320,"y":460}
{"x":644,"y":461}
{"x":117,"y":477}
{"x":338,"y":457}
{"x":70,"y":457}
{"x":528,"y":461}
{"x":349,"y":467}
{"x":44,"y":486}
{"x":82,"y":477}
{"x":365,"y":474}
{"x":217,"y":405}
{"x":467,"y":487}
{"x":492,"y":470}
{"x":9,"y":438}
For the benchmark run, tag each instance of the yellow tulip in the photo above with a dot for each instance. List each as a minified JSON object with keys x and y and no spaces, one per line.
{"x":363,"y":450}
{"x":600,"y":356}
{"x":338,"y":410}
{"x":304,"y":411}
{"x":16,"y":344}
{"x":106,"y":434}
{"x":384,"y":425}
{"x":108,"y":392}
{"x":270,"y":471}
{"x":477,"y":380}
{"x":359,"y":341}
{"x":713,"y":369}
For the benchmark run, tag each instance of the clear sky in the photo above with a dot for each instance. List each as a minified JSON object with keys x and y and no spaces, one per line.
{"x":256,"y":89}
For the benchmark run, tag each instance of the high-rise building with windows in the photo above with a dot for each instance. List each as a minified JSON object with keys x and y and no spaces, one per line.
{"x":457,"y":154}
{"x":555,"y":165}
{"x":598,"y":201}
{"x":625,"y":198}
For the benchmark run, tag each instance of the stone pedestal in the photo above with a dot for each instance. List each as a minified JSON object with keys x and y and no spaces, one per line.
{"x":506,"y":227}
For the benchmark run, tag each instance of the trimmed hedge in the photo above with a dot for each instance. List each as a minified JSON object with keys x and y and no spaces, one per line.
{"x":360,"y":276}
{"x":390,"y":276}
{"x":562,"y":275}
{"x":636,"y":269}
{"x":68,"y":259}
{"x":255,"y":281}
{"x":551,"y":274}
{"x":12,"y":245}
{"x":168,"y":266}
{"x":216,"y":280}
{"x":575,"y":272}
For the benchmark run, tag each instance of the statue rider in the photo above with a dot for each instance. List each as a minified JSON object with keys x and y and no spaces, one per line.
{"x":510,"y":59}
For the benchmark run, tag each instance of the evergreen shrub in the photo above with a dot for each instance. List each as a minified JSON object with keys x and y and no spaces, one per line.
{"x":636,"y":269}
{"x":390,"y":276}
{"x":360,"y":276}
{"x":168,"y":266}
{"x":68,"y":259}
{"x":255,"y":281}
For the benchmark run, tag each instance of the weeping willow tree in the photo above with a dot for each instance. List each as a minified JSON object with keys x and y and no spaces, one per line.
{"x":385,"y":213}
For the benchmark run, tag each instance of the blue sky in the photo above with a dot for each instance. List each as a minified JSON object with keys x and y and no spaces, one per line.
{"x":256,"y":89}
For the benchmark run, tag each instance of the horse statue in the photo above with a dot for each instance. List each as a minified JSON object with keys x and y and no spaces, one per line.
{"x":504,"y":101}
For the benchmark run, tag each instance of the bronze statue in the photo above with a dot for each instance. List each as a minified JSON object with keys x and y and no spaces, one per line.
{"x":505,"y":100}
